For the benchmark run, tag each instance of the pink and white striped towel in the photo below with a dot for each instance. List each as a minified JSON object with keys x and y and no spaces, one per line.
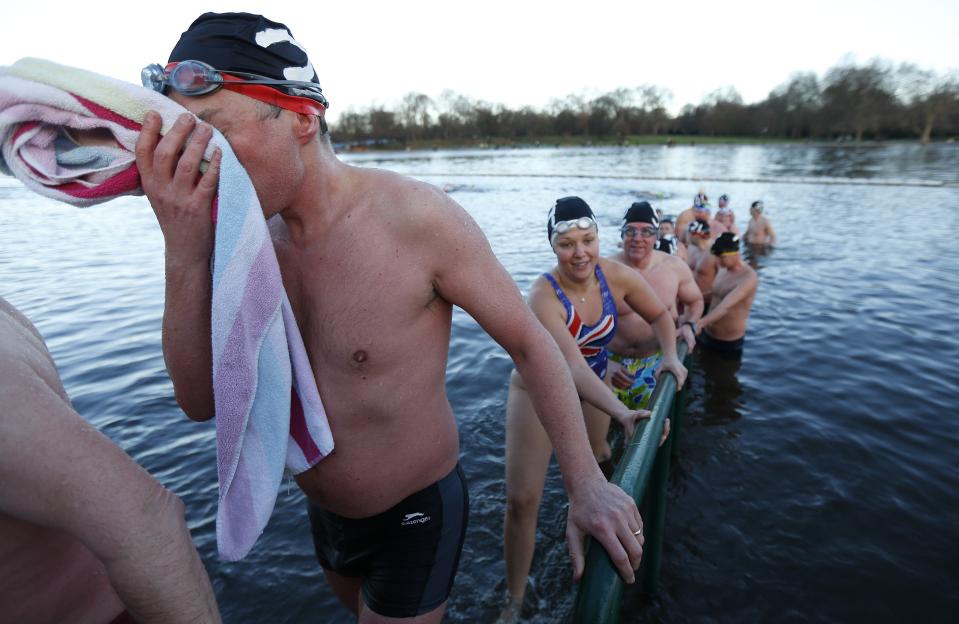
{"x":69,"y":134}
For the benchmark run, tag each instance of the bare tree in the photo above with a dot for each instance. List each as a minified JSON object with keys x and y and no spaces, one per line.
{"x":858,"y":98}
{"x":415,"y":113}
{"x":352,"y":126}
{"x":928,"y":96}
{"x":796,"y":104}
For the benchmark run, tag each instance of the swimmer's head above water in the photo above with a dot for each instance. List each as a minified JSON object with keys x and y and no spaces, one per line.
{"x":567,"y":213}
{"x":727,"y":244}
{"x":700,"y":228}
{"x":701,"y":202}
{"x":640,"y":231}
{"x":641,"y":212}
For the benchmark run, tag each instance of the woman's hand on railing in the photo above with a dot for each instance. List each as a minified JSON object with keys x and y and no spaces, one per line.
{"x":628,"y":419}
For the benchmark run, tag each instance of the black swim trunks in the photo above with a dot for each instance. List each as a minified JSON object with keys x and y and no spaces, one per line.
{"x":722,"y":346}
{"x":408,"y":554}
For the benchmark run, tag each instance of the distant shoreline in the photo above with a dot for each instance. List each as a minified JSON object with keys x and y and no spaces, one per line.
{"x":384,"y":145}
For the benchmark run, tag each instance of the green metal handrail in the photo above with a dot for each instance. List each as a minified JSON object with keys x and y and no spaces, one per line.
{"x":601,"y":587}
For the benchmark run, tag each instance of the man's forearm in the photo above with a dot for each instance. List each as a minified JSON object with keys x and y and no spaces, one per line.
{"x":174,"y":586}
{"x":666,"y":334}
{"x":592,"y":390}
{"x":692,"y":310}
{"x":187,"y":339}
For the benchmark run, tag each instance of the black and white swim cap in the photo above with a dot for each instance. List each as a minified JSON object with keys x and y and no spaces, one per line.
{"x":641,"y":212}
{"x":244,"y":42}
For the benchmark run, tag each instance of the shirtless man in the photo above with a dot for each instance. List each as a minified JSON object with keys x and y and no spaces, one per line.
{"x":689,"y":215}
{"x":700,"y":261}
{"x":634,"y":347}
{"x":668,"y":241}
{"x":699,"y":212}
{"x":373,"y":263}
{"x":86,"y":535}
{"x":723,"y":328}
{"x":725,"y":215}
{"x":760,"y":230}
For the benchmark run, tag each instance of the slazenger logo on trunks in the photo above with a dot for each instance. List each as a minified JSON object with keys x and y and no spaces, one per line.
{"x":414,"y":518}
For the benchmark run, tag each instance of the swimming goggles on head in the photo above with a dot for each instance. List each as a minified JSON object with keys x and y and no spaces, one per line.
{"x":194,"y":78}
{"x":633,"y":232}
{"x":583,"y":223}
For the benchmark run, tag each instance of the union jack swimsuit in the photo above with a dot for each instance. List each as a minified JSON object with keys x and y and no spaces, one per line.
{"x":592,"y":339}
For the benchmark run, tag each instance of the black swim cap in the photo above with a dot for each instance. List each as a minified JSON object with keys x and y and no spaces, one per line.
{"x":566,"y":209}
{"x":243,"y":42}
{"x":727,"y":243}
{"x":757,"y":205}
{"x":641,"y":212}
{"x":697,"y":226}
{"x":667,"y":244}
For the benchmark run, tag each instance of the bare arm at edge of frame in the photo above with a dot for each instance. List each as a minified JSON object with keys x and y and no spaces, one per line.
{"x":88,"y":488}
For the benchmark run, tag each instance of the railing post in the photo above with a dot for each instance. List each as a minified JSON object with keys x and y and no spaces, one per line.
{"x":679,"y":413}
{"x":601,"y":588}
{"x":655,"y":523}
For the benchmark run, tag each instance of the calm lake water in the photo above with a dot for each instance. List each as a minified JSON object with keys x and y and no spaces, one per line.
{"x":818,"y":479}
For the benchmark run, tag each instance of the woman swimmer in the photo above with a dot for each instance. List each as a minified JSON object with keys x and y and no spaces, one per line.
{"x":577,"y":302}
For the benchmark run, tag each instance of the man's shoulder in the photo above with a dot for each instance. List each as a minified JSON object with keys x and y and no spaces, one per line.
{"x":614,"y":269}
{"x":25,"y":363}
{"x":745,"y":274}
{"x":674,"y":263}
{"x":18,"y":336}
{"x":402,"y":192}
{"x":618,"y":257}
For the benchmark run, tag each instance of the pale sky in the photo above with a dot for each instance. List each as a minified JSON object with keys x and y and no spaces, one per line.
{"x":516,"y":52}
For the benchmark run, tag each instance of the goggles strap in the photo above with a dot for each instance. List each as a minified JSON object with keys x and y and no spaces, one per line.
{"x":267,"y":94}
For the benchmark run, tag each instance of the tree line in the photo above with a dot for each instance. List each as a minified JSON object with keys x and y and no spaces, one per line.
{"x":873,"y":100}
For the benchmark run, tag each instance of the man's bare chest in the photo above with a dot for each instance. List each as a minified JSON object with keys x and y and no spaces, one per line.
{"x":664,"y":283}
{"x":357,"y":308}
{"x":724,"y":284}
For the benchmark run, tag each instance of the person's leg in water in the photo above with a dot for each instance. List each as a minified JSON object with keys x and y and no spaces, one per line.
{"x":597,"y":428}
{"x":528,"y":451}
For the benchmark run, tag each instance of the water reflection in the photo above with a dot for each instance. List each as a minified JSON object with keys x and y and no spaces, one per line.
{"x":755,"y":254}
{"x":850,"y":348}
{"x":722,"y":391}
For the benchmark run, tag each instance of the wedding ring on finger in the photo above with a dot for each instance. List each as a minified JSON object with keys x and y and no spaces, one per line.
{"x":638,"y":531}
